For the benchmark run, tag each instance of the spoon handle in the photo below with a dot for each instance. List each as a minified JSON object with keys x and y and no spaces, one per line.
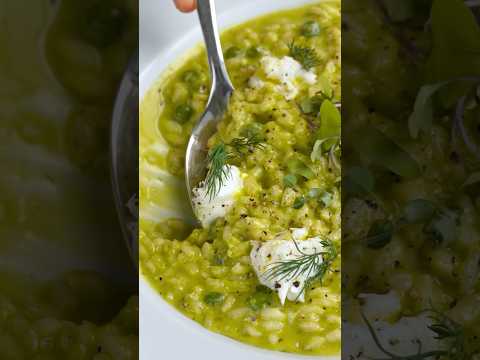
{"x":208,"y":22}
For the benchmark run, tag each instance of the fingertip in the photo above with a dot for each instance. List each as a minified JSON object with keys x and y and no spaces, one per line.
{"x":186,"y":5}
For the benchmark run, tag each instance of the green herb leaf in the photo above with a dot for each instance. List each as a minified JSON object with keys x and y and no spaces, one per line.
{"x":290,"y":180}
{"x":299,"y":202}
{"x":378,"y":149}
{"x":380,"y":234}
{"x":213,"y":298}
{"x":419,"y":211}
{"x":298,"y":167}
{"x":330,"y":124}
{"x":359,"y":181}
{"x":422,"y":116}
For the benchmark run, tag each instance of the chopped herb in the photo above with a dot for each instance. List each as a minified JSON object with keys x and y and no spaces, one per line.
{"x":380,"y":234}
{"x":305,"y":55}
{"x":299,"y":202}
{"x":298,"y":167}
{"x":213,"y":298}
{"x":290,"y":180}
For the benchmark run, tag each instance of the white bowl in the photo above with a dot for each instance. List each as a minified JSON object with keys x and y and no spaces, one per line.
{"x":165,"y":35}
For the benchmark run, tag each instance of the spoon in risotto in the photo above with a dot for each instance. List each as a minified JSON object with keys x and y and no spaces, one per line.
{"x":221,"y":90}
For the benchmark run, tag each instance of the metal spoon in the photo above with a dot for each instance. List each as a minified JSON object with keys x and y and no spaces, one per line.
{"x":222,"y":89}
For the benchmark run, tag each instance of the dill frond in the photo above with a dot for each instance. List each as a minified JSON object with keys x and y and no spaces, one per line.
{"x":218,"y":157}
{"x":315,"y":266}
{"x":305,"y":55}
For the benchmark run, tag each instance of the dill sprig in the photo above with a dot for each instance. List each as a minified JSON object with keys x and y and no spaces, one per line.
{"x":445,"y":329}
{"x":305,"y":55}
{"x":218,"y":157}
{"x":315,"y":266}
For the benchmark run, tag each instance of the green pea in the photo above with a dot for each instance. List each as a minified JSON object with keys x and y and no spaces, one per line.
{"x":299,"y":202}
{"x":290,"y":180}
{"x":232,"y":52}
{"x":253,"y":52}
{"x":213,"y":298}
{"x":310,"y":29}
{"x":183,"y":113}
{"x":191,"y":77}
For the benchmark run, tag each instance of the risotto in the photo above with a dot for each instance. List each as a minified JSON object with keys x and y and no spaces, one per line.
{"x":281,"y":136}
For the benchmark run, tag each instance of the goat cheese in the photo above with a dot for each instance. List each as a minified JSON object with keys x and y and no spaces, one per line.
{"x":264,"y":255}
{"x":209,"y":209}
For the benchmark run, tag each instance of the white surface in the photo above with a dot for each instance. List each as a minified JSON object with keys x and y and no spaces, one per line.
{"x":165,"y":34}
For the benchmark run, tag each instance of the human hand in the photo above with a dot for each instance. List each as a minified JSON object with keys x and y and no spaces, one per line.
{"x":185,"y":5}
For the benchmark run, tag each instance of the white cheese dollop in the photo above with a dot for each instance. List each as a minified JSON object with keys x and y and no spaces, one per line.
{"x":209,"y":209}
{"x":264,"y":254}
{"x":286,"y":70}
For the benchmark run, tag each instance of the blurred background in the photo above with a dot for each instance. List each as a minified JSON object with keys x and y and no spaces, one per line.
{"x":68,"y":285}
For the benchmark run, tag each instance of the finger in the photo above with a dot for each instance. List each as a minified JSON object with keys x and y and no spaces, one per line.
{"x":186,"y":5}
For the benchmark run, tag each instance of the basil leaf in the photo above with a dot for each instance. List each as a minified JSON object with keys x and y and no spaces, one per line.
{"x":359,"y":181}
{"x":380,"y":234}
{"x":380,"y":150}
{"x":330,"y":124}
{"x":422,"y":116}
{"x":419,"y":211}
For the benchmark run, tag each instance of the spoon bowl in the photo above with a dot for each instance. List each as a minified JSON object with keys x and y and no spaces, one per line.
{"x":217,"y":105}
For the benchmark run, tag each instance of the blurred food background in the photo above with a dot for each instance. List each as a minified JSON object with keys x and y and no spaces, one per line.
{"x":67,"y":284}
